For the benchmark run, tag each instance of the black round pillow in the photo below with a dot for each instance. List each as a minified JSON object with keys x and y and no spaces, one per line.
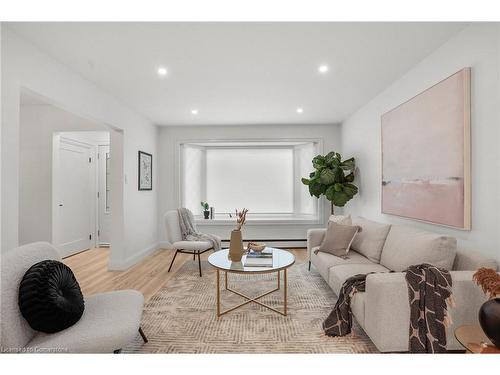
{"x":50,"y":298}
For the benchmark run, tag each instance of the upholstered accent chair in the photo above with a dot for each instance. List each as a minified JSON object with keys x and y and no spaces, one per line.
{"x":174,"y":237}
{"x":109,"y":322}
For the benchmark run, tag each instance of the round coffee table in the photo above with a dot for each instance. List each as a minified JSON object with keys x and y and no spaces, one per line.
{"x":282,"y":260}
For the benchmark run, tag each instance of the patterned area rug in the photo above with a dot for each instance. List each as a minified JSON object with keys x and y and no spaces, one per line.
{"x":181,"y":317}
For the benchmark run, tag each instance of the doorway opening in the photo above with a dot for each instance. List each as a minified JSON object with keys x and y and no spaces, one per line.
{"x":80,"y":191}
{"x":71,"y":180}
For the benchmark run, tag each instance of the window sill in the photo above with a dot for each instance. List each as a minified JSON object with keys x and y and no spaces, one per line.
{"x":263,"y":220}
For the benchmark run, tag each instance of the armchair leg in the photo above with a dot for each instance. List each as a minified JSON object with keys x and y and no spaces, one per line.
{"x":309,"y":265}
{"x":144,"y":338}
{"x":169,"y":268}
{"x":194,"y":255}
{"x":199,"y":262}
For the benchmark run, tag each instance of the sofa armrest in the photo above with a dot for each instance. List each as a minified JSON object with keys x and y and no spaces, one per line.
{"x":387,"y":310}
{"x":314,"y":238}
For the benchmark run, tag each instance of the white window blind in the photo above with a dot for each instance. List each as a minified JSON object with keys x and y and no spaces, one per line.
{"x":261,"y":179}
{"x":263,"y":176}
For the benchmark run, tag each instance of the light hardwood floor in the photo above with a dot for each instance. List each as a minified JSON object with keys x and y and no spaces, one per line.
{"x":148,"y":276}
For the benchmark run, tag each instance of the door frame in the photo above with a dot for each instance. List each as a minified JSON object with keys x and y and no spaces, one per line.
{"x":57,"y":139}
{"x":118,"y":259}
{"x":99,"y":165}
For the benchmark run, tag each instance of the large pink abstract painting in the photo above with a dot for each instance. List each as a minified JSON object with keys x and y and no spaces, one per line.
{"x":426,"y":155}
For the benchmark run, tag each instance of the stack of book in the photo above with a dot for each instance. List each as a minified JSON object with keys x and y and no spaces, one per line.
{"x":259,"y":259}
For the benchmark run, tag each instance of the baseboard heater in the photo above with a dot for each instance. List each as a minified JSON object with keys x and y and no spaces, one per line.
{"x":285,"y":243}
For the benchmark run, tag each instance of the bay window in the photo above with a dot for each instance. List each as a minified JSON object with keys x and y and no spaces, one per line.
{"x":263,"y":176}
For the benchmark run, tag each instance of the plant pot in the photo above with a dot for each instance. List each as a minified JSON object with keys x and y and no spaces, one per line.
{"x":206,"y":214}
{"x":489,"y":318}
{"x":236,"y":246}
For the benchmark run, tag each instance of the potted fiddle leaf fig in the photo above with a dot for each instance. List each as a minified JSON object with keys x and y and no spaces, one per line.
{"x":332,"y":177}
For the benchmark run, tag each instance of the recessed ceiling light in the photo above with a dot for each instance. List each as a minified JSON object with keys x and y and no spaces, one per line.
{"x":194,"y":112}
{"x":323,"y":68}
{"x":300,"y":110}
{"x":162,"y":71}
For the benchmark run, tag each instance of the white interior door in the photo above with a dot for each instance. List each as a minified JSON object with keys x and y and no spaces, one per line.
{"x":74,"y":197}
{"x":104,"y":184}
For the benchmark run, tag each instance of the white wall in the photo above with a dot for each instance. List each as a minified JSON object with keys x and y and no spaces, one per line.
{"x":26,"y":67}
{"x":37,"y":126}
{"x":478,"y":47}
{"x":170,"y":136}
{"x":1,"y":125}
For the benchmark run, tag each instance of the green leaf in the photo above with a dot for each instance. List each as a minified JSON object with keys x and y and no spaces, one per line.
{"x":340,"y":199}
{"x":349,"y":177}
{"x":339,"y":175}
{"x":337,"y":187}
{"x":329,"y":193}
{"x":333,"y":159}
{"x":318,"y":161}
{"x":305,"y":181}
{"x":316,"y":189}
{"x":330,"y":156}
{"x":348,"y":165}
{"x":350,"y":189}
{"x":327,"y":177}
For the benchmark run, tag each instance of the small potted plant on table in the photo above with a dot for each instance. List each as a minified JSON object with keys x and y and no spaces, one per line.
{"x":206,"y":210}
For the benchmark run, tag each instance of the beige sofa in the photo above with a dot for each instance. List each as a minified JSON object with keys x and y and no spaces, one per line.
{"x":383,"y":310}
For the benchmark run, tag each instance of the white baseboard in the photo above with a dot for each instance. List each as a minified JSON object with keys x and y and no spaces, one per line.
{"x":277,"y":243}
{"x":164,"y":245}
{"x":130,"y":261}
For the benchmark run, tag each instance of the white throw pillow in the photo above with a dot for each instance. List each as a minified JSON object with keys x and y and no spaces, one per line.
{"x":370,"y":240}
{"x":340,"y":219}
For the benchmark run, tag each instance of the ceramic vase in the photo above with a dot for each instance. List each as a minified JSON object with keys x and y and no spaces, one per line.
{"x":489,"y":318}
{"x":236,"y":246}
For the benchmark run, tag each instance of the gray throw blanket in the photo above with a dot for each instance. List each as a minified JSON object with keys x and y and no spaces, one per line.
{"x":429,"y":292}
{"x":189,"y":231}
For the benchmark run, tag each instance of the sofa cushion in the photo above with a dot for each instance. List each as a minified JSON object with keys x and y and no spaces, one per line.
{"x":340,"y":273}
{"x":338,"y":239}
{"x":370,"y":240}
{"x":406,"y":246}
{"x":323,"y":261}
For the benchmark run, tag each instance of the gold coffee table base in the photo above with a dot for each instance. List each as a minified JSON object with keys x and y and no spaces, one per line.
{"x":252,"y":299}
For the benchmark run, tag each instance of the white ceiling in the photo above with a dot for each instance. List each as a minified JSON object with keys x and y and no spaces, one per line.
{"x":240,"y":73}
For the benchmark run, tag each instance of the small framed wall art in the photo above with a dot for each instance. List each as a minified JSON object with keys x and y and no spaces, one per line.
{"x":145,"y":176}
